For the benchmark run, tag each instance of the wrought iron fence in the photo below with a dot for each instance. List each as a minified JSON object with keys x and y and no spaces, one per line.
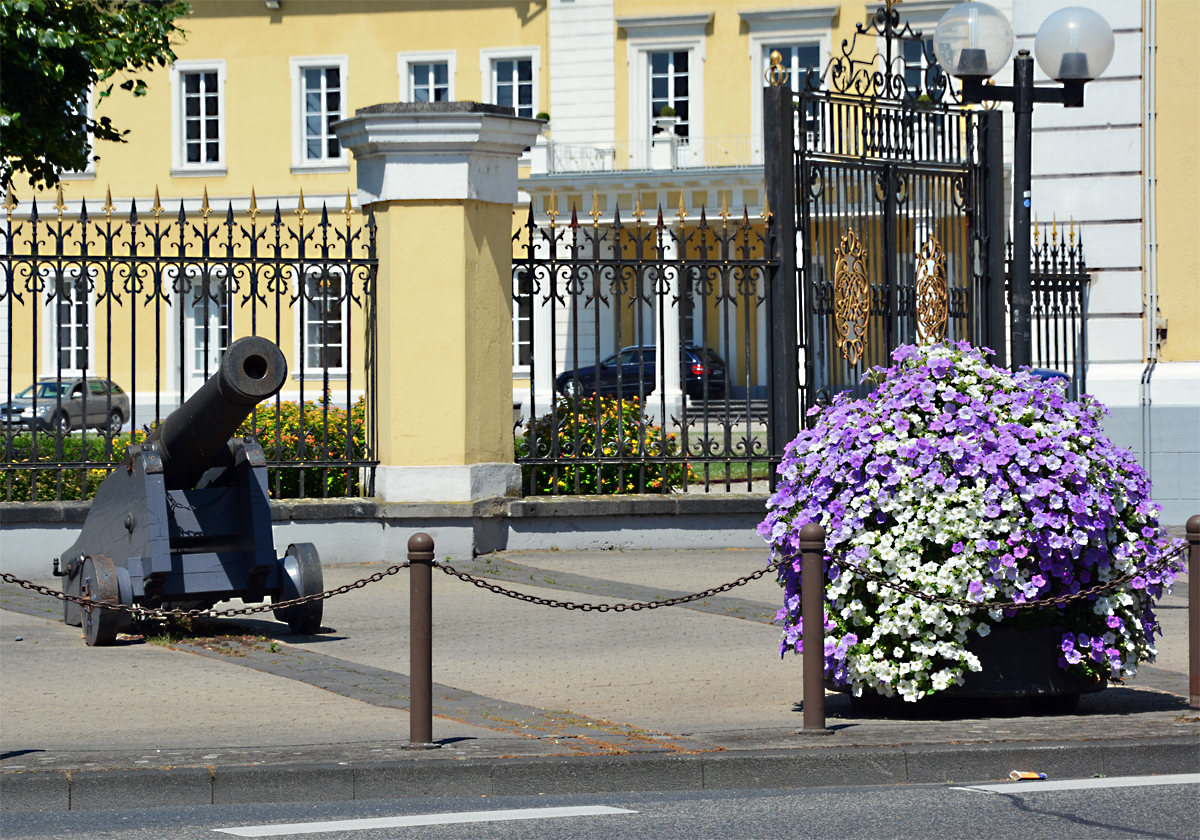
{"x":1058,"y":280}
{"x":112,"y":320}
{"x":646,"y":345}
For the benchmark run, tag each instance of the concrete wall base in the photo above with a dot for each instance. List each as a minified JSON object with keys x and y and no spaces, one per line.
{"x":451,"y":483}
{"x":370,"y":530}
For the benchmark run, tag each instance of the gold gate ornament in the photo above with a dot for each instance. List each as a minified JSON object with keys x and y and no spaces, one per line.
{"x":932,"y":293}
{"x":851,"y":297}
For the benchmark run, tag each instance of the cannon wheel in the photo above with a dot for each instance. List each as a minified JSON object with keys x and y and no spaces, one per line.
{"x":103,"y":581}
{"x":301,"y":576}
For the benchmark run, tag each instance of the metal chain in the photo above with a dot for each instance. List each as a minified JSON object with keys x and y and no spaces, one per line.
{"x":634,"y":607}
{"x":585,"y":607}
{"x":1013,"y":605}
{"x":150,"y":612}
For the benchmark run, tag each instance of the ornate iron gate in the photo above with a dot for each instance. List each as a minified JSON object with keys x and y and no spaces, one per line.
{"x":893,"y":210}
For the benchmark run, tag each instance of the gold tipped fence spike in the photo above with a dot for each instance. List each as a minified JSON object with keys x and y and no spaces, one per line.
{"x":108,"y":205}
{"x":595,"y":211}
{"x":682,"y":213}
{"x":60,"y":203}
{"x":348,"y":210}
{"x":766,"y":211}
{"x":1055,"y":228}
{"x":1072,"y":231}
{"x":157,"y":209}
{"x":1036,"y":237}
{"x":724,"y":214}
{"x":552,"y":210}
{"x":301,"y":210}
{"x":10,"y":200}
{"x":638,"y":212}
{"x":205,"y":210}
{"x":252,"y":210}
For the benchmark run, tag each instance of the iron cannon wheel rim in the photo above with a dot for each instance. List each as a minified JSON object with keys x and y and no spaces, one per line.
{"x":306,"y":579}
{"x":101,"y":582}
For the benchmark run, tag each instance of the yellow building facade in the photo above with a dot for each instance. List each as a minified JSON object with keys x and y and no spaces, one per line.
{"x":247,"y":109}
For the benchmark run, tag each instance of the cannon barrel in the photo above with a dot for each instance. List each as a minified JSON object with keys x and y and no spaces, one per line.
{"x":194,"y":438}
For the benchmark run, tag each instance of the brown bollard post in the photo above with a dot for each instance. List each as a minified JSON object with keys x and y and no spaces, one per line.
{"x":1193,"y":538}
{"x":812,"y":586}
{"x":420,"y":651}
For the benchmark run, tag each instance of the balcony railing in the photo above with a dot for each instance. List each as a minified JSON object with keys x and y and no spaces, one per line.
{"x":666,"y":153}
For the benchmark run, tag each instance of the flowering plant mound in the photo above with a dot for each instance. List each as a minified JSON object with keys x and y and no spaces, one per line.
{"x":965,"y":481}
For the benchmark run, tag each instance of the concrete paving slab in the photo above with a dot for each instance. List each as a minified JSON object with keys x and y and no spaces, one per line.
{"x":694,"y":698}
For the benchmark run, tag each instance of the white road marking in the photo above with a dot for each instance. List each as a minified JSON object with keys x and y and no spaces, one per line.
{"x":420,"y":819}
{"x":1086,"y":784}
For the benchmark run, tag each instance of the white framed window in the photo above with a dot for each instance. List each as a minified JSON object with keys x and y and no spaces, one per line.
{"x":68,"y":343}
{"x":511,"y":78}
{"x":916,"y":58}
{"x":523,"y":325}
{"x":89,"y":171}
{"x":669,"y":86}
{"x":664,"y":51}
{"x":427,"y":76}
{"x":208,"y":324}
{"x":318,"y":101}
{"x":323,"y":323}
{"x":198,"y":118}
{"x":804,"y":38}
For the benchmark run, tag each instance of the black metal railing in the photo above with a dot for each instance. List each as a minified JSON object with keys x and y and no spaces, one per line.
{"x":1059,"y":285}
{"x":112,"y":320}
{"x":646,"y":345}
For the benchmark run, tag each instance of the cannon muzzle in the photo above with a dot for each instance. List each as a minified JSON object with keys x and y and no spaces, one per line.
{"x":195,"y":437}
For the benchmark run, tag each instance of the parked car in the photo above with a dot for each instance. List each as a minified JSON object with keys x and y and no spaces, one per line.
{"x":699,"y":366}
{"x":67,"y":404}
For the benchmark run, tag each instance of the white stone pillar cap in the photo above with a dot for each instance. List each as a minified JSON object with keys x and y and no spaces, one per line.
{"x":411,"y":151}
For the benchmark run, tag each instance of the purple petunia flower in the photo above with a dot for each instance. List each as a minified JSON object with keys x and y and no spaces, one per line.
{"x":1042,"y":503}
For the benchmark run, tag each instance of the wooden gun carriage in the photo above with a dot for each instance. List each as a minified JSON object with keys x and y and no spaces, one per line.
{"x":185,"y":521}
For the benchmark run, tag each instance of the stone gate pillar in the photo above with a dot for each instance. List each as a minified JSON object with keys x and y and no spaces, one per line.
{"x":442,"y":180}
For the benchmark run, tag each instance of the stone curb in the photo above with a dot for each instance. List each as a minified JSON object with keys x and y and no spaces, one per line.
{"x":809,"y":767}
{"x":322,"y":510}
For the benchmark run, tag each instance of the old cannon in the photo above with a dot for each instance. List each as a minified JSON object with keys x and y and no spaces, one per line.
{"x":185,"y":521}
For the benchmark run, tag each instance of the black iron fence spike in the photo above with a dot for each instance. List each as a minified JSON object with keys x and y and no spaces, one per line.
{"x":182,"y":215}
{"x":278,"y":221}
{"x":83,"y":213}
{"x":229,"y":215}
{"x":324,"y":215}
{"x":33,"y":212}
{"x":133,"y":214}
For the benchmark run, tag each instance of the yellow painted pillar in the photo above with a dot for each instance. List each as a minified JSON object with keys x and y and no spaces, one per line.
{"x":442,"y":180}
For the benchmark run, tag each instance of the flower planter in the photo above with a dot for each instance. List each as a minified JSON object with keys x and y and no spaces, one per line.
{"x":967,"y":484}
{"x":1017,"y":665}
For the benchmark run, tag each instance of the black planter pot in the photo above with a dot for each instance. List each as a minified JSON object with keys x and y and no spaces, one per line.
{"x":1020,"y":673}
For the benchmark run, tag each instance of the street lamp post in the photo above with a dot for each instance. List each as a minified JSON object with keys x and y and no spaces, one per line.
{"x":1073,"y":46}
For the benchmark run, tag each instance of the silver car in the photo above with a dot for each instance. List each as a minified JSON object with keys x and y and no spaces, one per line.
{"x":67,"y":404}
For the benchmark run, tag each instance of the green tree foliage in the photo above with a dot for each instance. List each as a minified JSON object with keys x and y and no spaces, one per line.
{"x":51,"y":53}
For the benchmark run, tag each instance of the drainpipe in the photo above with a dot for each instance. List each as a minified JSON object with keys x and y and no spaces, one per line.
{"x":1150,"y":234}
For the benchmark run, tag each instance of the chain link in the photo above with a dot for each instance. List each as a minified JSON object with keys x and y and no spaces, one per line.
{"x":603,"y":608}
{"x":1161,"y":564}
{"x":150,"y":612}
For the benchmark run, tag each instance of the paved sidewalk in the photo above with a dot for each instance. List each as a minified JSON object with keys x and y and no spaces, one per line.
{"x":528,"y":699}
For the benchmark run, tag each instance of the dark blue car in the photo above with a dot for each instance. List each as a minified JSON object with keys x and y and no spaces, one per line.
{"x":632,"y":372}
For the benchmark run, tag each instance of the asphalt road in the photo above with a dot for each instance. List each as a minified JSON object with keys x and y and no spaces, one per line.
{"x":1143,"y":807}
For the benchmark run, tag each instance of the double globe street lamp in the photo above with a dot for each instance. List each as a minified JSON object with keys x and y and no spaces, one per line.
{"x":1073,"y":46}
